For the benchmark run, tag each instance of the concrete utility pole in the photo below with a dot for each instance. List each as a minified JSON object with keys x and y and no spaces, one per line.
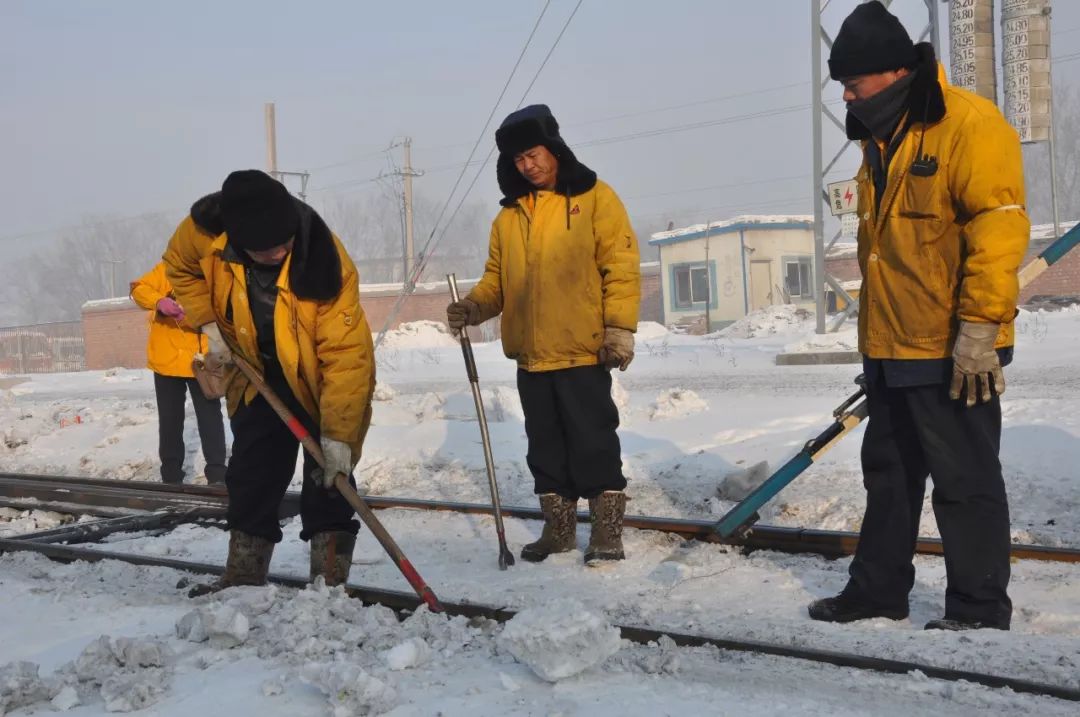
{"x":271,"y":140}
{"x":407,"y":172}
{"x":271,"y":154}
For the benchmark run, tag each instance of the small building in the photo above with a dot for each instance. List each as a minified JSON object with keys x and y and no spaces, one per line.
{"x":725,"y":270}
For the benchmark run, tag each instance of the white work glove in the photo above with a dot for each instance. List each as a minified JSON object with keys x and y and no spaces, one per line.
{"x":338,"y":457}
{"x":976,"y":364}
{"x":218,"y":352}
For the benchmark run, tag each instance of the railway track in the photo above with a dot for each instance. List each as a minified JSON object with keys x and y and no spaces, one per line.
{"x":115,"y":498}
{"x":404,"y":603}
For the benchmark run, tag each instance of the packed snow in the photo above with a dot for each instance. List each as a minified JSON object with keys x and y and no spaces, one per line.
{"x":702,"y":419}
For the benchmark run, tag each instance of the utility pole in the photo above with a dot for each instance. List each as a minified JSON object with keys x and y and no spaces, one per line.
{"x":271,"y":140}
{"x":708,"y":282}
{"x":407,"y":172}
{"x":271,"y":154}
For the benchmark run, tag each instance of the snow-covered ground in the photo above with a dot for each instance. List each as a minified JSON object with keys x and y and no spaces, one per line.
{"x":694,"y":410}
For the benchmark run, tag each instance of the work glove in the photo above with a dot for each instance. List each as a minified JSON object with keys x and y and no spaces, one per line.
{"x":460,"y":314}
{"x":338,"y":458}
{"x":617,"y":349}
{"x":976,"y":364}
{"x":167,"y":306}
{"x":218,"y":353}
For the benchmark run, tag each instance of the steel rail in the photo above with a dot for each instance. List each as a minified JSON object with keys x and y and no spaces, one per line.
{"x":137,"y":495}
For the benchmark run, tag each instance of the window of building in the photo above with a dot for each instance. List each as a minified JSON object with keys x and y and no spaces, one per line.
{"x":798,"y":277}
{"x":691,"y":285}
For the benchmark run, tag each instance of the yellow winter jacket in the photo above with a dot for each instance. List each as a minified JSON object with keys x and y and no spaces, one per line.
{"x":324,"y":346}
{"x":172,"y":344}
{"x":944,"y":246}
{"x":559,"y":273}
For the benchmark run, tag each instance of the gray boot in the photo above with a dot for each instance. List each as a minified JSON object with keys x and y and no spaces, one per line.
{"x":248,"y":564}
{"x":560,"y":528}
{"x":606,"y":513}
{"x":331,"y":556}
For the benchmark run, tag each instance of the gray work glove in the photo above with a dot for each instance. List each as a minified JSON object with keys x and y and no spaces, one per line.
{"x":976,"y":364}
{"x":617,"y":349}
{"x":218,"y":352}
{"x":338,"y":457}
{"x":460,"y":314}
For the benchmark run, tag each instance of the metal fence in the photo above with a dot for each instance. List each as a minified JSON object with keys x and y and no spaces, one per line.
{"x":42,"y":348}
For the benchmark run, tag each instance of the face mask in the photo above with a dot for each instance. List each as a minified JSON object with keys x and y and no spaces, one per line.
{"x":882,"y":112}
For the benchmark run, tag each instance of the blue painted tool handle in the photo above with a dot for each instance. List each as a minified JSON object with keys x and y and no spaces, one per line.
{"x":1062,"y":246}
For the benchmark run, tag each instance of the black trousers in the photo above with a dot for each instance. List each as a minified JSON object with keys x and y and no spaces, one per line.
{"x":912,"y":433}
{"x":171,"y":392}
{"x":570,"y":422}
{"x":261,"y":467}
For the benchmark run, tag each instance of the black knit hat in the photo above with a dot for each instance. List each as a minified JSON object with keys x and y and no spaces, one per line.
{"x":871,"y":40}
{"x":528,"y":127}
{"x":258,"y":211}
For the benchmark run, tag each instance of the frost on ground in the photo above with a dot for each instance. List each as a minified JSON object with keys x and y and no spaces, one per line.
{"x":560,"y":639}
{"x":16,"y":522}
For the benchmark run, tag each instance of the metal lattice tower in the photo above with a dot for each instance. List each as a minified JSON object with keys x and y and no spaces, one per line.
{"x":821,"y":43}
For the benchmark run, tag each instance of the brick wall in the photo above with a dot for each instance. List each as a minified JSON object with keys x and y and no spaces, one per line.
{"x":115,"y":334}
{"x":115,"y":330}
{"x":1062,"y":279}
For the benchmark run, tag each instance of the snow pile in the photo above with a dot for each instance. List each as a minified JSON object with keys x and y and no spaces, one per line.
{"x":650,"y":331}
{"x":349,"y":689}
{"x":559,"y":639}
{"x":384,"y":392}
{"x":676,"y":403}
{"x":620,"y":395}
{"x":17,"y":522}
{"x":419,"y":335}
{"x":20,"y":686}
{"x":772,"y":320}
{"x":224,"y":626}
{"x":414,"y":651}
{"x":737,"y":485}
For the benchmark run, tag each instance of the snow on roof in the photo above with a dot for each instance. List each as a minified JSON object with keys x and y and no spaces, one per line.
{"x":112,"y":303}
{"x":842,"y":250}
{"x":741,"y":221}
{"x":1046,"y":231}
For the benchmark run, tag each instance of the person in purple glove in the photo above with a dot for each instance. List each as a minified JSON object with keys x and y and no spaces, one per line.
{"x":170,"y":350}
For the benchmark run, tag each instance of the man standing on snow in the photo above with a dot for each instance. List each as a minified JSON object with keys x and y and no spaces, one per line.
{"x":261,"y":274}
{"x":169,"y":351}
{"x":563,"y":271}
{"x":943,"y":231}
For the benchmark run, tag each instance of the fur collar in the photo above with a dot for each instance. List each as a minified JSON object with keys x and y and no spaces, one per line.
{"x":315,"y":269}
{"x":926,"y":99}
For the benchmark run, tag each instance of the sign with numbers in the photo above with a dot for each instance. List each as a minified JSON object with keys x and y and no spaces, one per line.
{"x":1025,"y":59}
{"x":971,"y":47}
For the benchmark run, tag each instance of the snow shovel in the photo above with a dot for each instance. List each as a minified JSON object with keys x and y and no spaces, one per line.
{"x":341,"y":482}
{"x":506,"y":558}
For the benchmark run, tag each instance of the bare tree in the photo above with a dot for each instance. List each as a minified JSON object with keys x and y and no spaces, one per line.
{"x":95,"y":260}
{"x":1037,"y":162}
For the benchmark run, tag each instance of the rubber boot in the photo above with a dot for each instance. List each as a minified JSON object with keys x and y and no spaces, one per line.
{"x":606,"y":513}
{"x":331,"y":556}
{"x":560,"y":528}
{"x":248,"y":564}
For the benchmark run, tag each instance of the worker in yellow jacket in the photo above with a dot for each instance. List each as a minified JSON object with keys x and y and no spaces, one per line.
{"x":564,"y":272}
{"x":169,"y":351}
{"x":260,"y":273}
{"x":942,"y":233}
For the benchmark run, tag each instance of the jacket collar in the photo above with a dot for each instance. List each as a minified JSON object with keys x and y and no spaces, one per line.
{"x":926,"y":99}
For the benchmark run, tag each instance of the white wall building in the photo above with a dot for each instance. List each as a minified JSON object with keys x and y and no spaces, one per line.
{"x":735,"y":266}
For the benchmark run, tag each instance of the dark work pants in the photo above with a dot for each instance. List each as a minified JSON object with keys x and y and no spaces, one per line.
{"x":570,"y":421}
{"x":918,"y":431}
{"x":261,"y":467}
{"x":171,"y":392}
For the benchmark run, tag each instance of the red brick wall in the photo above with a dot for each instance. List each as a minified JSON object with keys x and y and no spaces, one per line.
{"x":844,"y":268}
{"x":115,"y":335}
{"x":1062,"y":279}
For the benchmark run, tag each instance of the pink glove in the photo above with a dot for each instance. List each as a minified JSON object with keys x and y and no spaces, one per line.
{"x":169,"y":307}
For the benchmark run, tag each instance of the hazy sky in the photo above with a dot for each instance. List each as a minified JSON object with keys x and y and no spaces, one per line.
{"x":118,"y":107}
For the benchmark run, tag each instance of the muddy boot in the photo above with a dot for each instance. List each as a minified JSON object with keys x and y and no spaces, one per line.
{"x":560,"y":528}
{"x":606,"y":515}
{"x":331,"y":556}
{"x":248,"y":564}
